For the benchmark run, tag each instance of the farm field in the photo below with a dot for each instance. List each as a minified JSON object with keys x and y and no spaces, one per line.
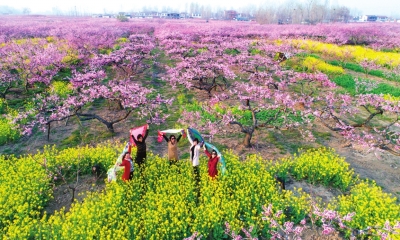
{"x":306,"y":117}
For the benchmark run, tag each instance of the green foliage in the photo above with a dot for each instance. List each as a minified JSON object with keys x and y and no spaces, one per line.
{"x":84,"y":136}
{"x":201,"y":50}
{"x":348,"y":83}
{"x":232,"y":51}
{"x":386,"y":89}
{"x":82,"y":158}
{"x":74,"y":139}
{"x":122,"y":40}
{"x":273,"y":117}
{"x":322,"y":135}
{"x":3,"y":106}
{"x":392,"y":76}
{"x":182,"y":99}
{"x":395,"y":50}
{"x":377,"y":73}
{"x":348,"y":65}
{"x":122,"y":18}
{"x":15,"y":103}
{"x":280,"y":167}
{"x":372,"y":206}
{"x":273,"y":138}
{"x":63,"y":74}
{"x":323,"y":166}
{"x":71,"y":59}
{"x":255,"y":51}
{"x":105,"y":51}
{"x":8,"y":131}
{"x":61,"y":88}
{"x":305,"y":55}
{"x":197,"y":107}
{"x":358,"y":68}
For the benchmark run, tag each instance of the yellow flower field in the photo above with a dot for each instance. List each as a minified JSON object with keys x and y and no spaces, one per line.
{"x":162,"y":201}
{"x":346,"y":53}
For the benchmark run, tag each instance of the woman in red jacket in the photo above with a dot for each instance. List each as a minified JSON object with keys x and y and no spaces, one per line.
{"x":127,"y":167}
{"x":212,"y":162}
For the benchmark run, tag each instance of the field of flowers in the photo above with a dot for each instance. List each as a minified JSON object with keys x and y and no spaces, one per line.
{"x":161,"y":202}
{"x":355,"y":53}
{"x":57,"y":72}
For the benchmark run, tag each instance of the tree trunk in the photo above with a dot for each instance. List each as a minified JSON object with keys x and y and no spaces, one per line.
{"x":110,"y":127}
{"x":120,"y":105}
{"x":48,"y":131}
{"x":73,"y":193}
{"x":26,"y":87}
{"x":247,"y":140}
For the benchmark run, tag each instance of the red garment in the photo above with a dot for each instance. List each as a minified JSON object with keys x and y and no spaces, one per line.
{"x":212,"y":164}
{"x":127,"y":169}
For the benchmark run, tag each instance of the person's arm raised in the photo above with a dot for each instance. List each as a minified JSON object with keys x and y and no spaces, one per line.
{"x":165,"y":137}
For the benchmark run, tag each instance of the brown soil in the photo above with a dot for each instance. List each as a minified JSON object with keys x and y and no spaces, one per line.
{"x":382,"y":167}
{"x":63,"y":194}
{"x":325,"y":194}
{"x":314,"y":234}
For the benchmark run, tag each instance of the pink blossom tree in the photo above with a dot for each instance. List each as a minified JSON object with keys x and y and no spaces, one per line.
{"x":22,"y":64}
{"x":93,"y":83}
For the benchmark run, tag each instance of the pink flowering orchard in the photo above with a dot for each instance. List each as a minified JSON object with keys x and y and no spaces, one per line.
{"x":253,"y":76}
{"x":231,"y":63}
{"x":270,"y":101}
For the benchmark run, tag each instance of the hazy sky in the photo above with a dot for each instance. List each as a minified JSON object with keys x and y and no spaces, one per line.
{"x":382,"y":7}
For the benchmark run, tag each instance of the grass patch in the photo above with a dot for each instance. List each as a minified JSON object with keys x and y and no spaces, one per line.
{"x":273,"y":139}
{"x":16,"y":103}
{"x":296,"y":148}
{"x":386,"y":89}
{"x":74,"y":139}
{"x":358,"y":68}
{"x":304,"y":55}
{"x":83,"y":136}
{"x":322,"y":135}
{"x":347,"y":82}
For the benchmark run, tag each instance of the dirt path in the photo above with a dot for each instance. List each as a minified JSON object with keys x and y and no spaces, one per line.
{"x":382,"y":167}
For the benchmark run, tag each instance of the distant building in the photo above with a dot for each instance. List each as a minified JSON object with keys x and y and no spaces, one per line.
{"x":173,"y":15}
{"x":242,"y":19}
{"x":184,"y":15}
{"x":230,"y":14}
{"x":139,"y":15}
{"x":382,"y":19}
{"x":153,"y":14}
{"x":196,"y":15}
{"x":368,"y":18}
{"x":97,"y":15}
